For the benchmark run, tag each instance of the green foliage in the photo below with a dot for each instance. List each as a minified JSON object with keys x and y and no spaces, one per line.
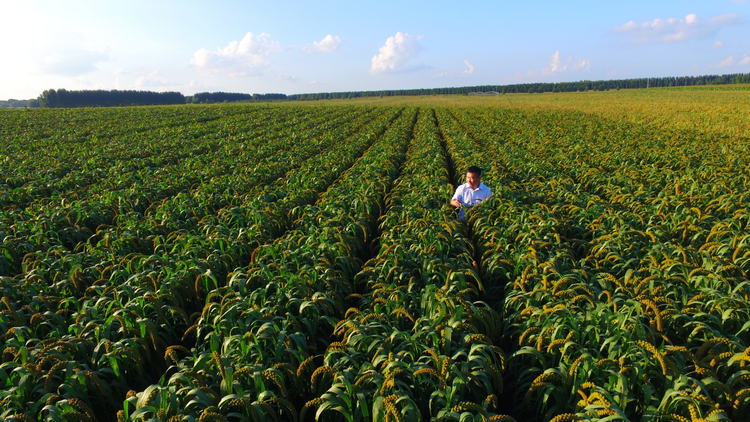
{"x":303,"y":263}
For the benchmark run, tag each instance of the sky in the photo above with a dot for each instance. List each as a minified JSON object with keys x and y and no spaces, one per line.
{"x":293,"y":47}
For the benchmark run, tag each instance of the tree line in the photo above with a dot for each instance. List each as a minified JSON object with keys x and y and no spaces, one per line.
{"x":738,"y":78}
{"x":228,"y":97}
{"x":104,"y":98}
{"x":13,"y":103}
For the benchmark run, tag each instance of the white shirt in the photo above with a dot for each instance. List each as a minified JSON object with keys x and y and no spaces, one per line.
{"x":469,"y":196}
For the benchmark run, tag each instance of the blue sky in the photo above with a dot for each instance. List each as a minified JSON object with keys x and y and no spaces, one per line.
{"x":303,"y":46}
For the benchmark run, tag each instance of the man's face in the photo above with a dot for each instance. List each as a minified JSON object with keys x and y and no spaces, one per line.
{"x":473,"y":180}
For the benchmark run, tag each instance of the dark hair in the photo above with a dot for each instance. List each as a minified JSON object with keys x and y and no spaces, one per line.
{"x":474,"y":169}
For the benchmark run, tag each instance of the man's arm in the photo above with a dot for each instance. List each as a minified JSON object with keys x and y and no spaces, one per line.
{"x":454,"y":201}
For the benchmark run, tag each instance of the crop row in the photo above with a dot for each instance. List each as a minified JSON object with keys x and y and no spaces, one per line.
{"x":257,"y":339}
{"x":62,"y":149}
{"x":210,"y":182}
{"x":622,"y":302}
{"x":158,"y":166}
{"x":302,"y":263}
{"x":131,"y":291}
{"x":417,"y":345}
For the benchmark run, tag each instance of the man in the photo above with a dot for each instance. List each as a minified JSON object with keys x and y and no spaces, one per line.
{"x":470,"y":193}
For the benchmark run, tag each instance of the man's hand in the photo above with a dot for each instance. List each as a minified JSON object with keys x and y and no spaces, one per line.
{"x":455,"y":202}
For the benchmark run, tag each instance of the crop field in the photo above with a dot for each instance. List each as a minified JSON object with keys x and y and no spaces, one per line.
{"x":300,"y":262}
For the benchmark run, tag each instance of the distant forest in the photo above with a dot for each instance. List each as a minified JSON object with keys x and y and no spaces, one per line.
{"x":228,"y":97}
{"x":13,"y":103}
{"x":102,"y":98}
{"x":737,"y":78}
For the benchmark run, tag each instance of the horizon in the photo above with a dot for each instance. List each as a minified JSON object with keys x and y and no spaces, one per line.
{"x":415,"y":89}
{"x":254,"y":47}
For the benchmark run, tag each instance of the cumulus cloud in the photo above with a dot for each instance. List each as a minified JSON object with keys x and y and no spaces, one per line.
{"x":570,"y":64}
{"x":470,"y":69}
{"x":719,"y":44}
{"x":327,"y":45}
{"x":394,"y":54}
{"x":726,"y":62}
{"x":554,"y":64}
{"x":734,"y":60}
{"x":675,"y":29}
{"x":238,"y":58}
{"x":582,"y":65}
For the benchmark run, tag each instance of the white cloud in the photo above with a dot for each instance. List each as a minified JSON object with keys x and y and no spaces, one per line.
{"x":327,"y":45}
{"x":39,"y":48}
{"x":733,"y":60}
{"x":719,"y":44}
{"x":724,"y":20}
{"x":442,"y":74}
{"x":470,"y":69}
{"x":287,"y":78}
{"x":59,"y":49}
{"x":554,"y":64}
{"x":675,"y":30}
{"x":394,"y":54}
{"x":726,"y":62}
{"x":71,"y":60}
{"x":238,"y":58}
{"x":582,"y":65}
{"x":558,"y":65}
{"x":155,"y":80}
